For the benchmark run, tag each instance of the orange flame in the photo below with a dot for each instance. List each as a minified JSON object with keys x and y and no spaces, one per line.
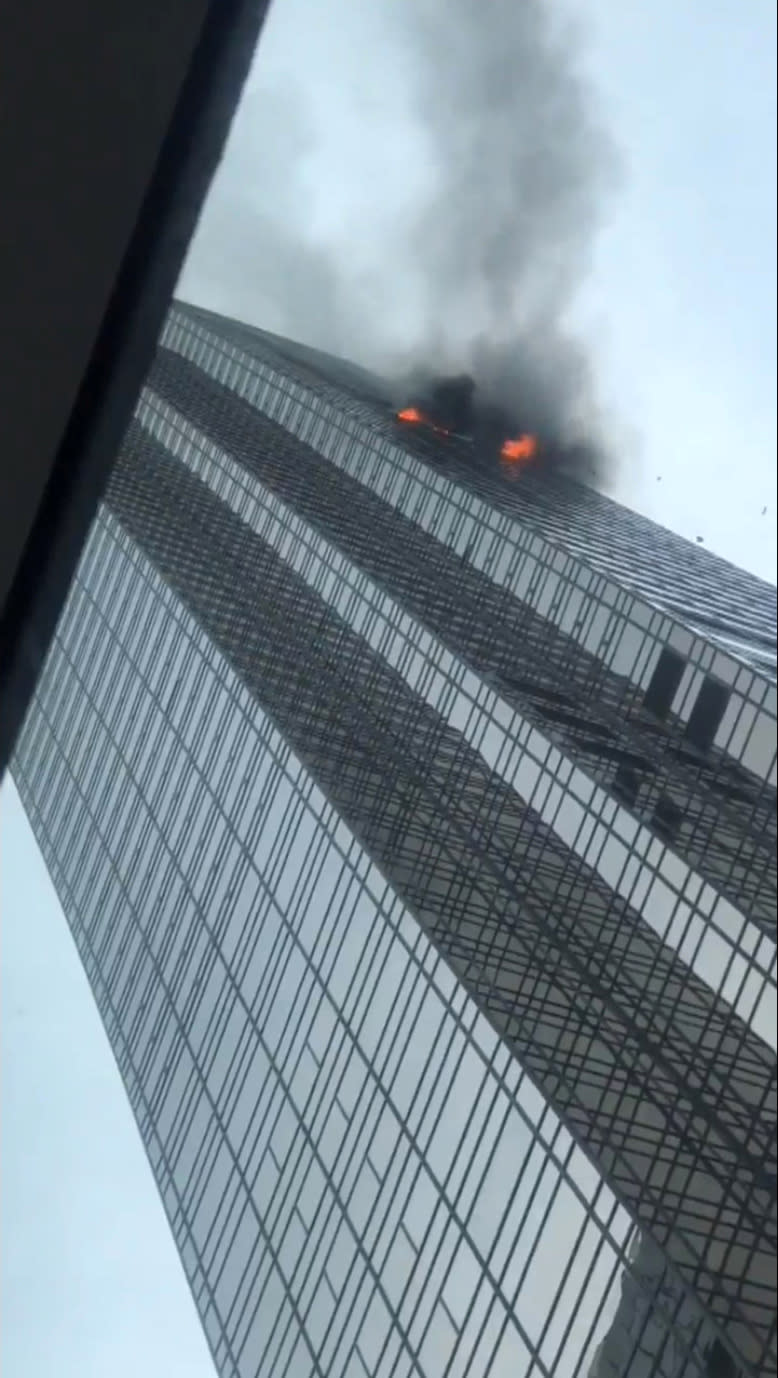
{"x":520,"y":450}
{"x":413,"y":416}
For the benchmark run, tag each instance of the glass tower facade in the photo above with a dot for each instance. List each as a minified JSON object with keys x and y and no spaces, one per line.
{"x":417,"y":834}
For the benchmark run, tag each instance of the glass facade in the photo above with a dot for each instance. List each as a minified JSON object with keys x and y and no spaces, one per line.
{"x":418,"y":839}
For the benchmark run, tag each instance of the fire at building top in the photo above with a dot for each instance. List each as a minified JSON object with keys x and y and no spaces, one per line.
{"x":448,"y":407}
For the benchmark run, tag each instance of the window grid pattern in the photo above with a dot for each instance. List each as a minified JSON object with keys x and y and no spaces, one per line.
{"x":727,"y":825}
{"x":599,"y":614}
{"x":722,"y":602}
{"x":736,"y":962}
{"x":727,"y":602}
{"x":423,"y":1089}
{"x":522,"y":920}
{"x":334,"y":1213}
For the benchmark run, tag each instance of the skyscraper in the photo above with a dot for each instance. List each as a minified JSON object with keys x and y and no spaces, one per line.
{"x":417,"y":833}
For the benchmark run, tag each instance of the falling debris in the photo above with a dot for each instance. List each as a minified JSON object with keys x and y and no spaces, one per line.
{"x":700,"y":540}
{"x":764,"y":511}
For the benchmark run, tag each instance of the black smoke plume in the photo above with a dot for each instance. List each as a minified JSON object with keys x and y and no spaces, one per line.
{"x":486,"y":258}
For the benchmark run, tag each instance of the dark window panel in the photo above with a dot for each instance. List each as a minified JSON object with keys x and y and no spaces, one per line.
{"x":664,"y":682}
{"x":626,"y":785}
{"x":707,"y":714}
{"x":667,"y":818}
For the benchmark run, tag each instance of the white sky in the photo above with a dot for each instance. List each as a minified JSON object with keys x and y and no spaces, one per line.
{"x":680,"y":310}
{"x":90,"y":1281}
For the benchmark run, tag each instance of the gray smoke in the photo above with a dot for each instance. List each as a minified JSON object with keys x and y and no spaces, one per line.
{"x":521,"y":172}
{"x":478,"y":271}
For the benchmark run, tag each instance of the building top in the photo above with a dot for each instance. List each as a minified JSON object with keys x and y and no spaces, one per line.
{"x":714,"y":599}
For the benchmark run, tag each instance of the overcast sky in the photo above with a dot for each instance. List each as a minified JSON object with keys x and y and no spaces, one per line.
{"x":674,"y":306}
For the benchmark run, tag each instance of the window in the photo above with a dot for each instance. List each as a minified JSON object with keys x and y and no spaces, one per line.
{"x":626,"y":784}
{"x":667,"y":818}
{"x":718,"y":1363}
{"x":707,"y":713}
{"x":664,"y":682}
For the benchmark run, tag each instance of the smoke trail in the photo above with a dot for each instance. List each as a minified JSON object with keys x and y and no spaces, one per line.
{"x":471,"y":262}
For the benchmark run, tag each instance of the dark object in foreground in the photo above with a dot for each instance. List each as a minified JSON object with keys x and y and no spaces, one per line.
{"x":97,"y":218}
